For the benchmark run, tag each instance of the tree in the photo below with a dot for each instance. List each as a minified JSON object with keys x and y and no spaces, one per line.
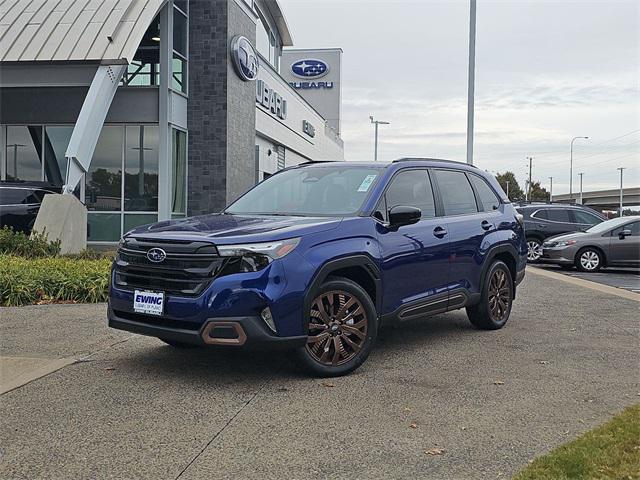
{"x":515,"y":192}
{"x":538,"y":193}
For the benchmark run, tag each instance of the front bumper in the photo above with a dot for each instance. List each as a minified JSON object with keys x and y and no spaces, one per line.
{"x":561,"y":256}
{"x":246,"y":332}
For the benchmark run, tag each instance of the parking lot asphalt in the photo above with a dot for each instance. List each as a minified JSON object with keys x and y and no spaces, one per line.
{"x":625,"y":278}
{"x":482,"y":403}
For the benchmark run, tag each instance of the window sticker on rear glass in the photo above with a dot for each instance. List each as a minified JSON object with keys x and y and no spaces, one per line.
{"x":366,"y":183}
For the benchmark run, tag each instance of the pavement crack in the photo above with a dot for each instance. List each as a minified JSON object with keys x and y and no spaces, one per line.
{"x":233,"y":417}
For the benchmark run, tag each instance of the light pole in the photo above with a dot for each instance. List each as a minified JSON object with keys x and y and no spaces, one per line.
{"x":507,"y":188}
{"x":529,"y":186}
{"x":471,"y":79}
{"x":551,"y":190}
{"x":571,"y":168}
{"x":581,"y":174}
{"x":621,"y":170}
{"x":376,"y":123}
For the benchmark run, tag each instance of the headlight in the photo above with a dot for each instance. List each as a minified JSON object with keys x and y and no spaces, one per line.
{"x":251,"y":257}
{"x":565,"y":243}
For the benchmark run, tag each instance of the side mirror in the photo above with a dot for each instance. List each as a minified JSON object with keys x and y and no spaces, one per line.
{"x":401,"y":215}
{"x":623,"y":234}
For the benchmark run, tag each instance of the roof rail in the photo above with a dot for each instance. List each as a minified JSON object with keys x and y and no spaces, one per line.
{"x":409,"y":159}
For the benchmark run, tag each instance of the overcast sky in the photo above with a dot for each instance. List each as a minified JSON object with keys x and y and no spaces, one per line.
{"x":546,"y":71}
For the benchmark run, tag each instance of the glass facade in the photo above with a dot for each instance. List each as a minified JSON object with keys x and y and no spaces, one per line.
{"x":179,"y":173}
{"x":180,"y":47}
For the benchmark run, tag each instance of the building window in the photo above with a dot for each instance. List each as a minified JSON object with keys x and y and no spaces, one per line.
{"x":179,"y":173}
{"x":104,"y":178}
{"x":23,"y":155}
{"x":266,"y":42}
{"x":180,"y":47}
{"x":144,"y":69}
{"x":141,"y":169}
{"x":56,"y":141}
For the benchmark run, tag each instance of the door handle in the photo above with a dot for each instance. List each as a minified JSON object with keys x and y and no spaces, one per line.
{"x":439,"y":232}
{"x":485,"y":225}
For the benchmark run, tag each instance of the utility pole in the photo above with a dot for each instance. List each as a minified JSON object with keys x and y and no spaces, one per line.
{"x":507,"y":188}
{"x":551,"y":190}
{"x":375,"y":148}
{"x":571,"y":168}
{"x":581,"y":174}
{"x":621,"y":170}
{"x":471,"y":79}
{"x":529,"y":186}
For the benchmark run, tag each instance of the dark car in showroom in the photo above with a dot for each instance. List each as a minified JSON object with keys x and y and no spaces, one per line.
{"x":20,"y":202}
{"x":614,"y":243}
{"x":544,"y":220}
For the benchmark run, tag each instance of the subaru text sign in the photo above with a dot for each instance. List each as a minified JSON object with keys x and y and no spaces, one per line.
{"x":310,"y":68}
{"x":245,"y":58}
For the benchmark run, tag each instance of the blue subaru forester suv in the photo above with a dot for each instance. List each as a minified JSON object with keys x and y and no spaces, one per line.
{"x":316,"y":258}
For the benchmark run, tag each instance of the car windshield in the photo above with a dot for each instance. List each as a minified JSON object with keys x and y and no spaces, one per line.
{"x":309,"y":191}
{"x":608,"y":225}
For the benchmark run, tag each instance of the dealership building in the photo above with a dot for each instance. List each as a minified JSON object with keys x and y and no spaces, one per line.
{"x":151,"y":110}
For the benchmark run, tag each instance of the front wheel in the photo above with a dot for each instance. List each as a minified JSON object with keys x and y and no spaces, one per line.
{"x":589,"y":260}
{"x":497,"y":297}
{"x":343,"y":324}
{"x":534,"y":249}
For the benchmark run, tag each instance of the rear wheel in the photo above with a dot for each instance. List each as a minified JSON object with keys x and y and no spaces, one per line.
{"x":342,"y":329}
{"x":497,"y":296}
{"x":589,"y":260}
{"x":534,"y":249}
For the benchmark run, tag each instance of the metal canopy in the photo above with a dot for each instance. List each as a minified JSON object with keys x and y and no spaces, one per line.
{"x":105,"y":31}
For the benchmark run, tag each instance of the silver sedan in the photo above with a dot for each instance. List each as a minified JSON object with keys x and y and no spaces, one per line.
{"x":615,"y":242}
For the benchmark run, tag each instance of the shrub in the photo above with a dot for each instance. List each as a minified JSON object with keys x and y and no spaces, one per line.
{"x":26,"y":281}
{"x":35,"y":245}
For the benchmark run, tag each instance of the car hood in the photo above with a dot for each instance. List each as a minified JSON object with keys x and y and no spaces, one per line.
{"x":225,"y":229}
{"x":566,"y":236}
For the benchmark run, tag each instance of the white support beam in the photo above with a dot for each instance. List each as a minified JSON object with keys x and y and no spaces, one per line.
{"x":90,"y":121}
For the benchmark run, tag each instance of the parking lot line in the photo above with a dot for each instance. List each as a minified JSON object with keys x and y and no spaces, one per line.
{"x":585,"y":283}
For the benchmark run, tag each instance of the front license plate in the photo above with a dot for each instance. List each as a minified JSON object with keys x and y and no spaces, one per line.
{"x":151,"y":303}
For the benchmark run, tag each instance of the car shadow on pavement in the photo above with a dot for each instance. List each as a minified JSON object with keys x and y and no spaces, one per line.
{"x":225,"y":365}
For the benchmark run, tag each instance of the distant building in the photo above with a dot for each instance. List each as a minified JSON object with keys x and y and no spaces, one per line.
{"x":196,"y":120}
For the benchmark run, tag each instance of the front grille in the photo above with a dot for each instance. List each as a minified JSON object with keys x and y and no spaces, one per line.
{"x":188,"y":269}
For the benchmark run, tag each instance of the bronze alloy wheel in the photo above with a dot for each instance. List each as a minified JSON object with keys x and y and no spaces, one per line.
{"x":337,"y":328}
{"x":499,"y":295}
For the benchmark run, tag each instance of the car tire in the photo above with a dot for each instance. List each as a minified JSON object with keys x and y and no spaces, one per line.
{"x":534,"y":249}
{"x":180,"y":345}
{"x":589,"y":260}
{"x":494,"y":308}
{"x":342,"y":329}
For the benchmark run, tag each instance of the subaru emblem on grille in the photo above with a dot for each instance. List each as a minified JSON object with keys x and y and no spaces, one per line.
{"x":156,"y":255}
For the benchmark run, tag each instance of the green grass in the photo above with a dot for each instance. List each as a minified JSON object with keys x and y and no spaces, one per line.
{"x":611,"y":451}
{"x":25,"y":281}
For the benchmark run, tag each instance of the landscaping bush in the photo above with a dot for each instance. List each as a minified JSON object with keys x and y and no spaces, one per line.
{"x":35,"y":245}
{"x":26,"y":281}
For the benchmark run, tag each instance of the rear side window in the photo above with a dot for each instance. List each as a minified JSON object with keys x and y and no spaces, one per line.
{"x":488,"y":199}
{"x":558,"y":215}
{"x":585,"y":218}
{"x":541,"y":214}
{"x":15,"y":196}
{"x":412,"y":188}
{"x":457,"y":195}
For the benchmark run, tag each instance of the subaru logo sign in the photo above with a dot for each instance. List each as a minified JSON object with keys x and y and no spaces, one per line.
{"x":245,"y":58}
{"x":156,"y":255}
{"x":310,"y":68}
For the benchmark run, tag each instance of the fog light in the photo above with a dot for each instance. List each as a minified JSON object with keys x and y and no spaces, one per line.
{"x":268,"y":319}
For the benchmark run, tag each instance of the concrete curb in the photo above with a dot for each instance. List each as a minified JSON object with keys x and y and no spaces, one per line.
{"x":585,"y":283}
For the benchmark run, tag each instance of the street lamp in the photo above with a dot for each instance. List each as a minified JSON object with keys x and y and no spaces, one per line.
{"x":551,"y":190}
{"x":581,"y":174}
{"x":376,"y":123}
{"x":571,"y":169}
{"x":621,"y":191}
